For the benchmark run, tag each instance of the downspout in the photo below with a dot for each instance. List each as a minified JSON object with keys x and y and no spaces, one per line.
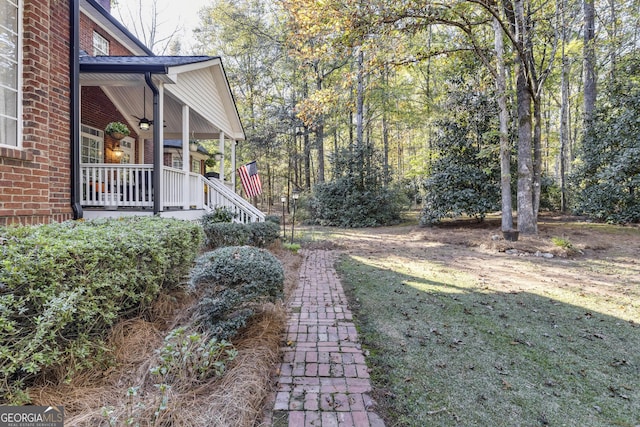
{"x":157,"y":145}
{"x":74,"y":23}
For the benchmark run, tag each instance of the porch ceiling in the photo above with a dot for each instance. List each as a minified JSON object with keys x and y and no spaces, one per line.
{"x":199,"y":84}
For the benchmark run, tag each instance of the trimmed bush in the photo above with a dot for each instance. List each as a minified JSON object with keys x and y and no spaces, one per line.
{"x":260,"y":234}
{"x":63,"y":285}
{"x":225,"y":234}
{"x":276,"y":219}
{"x":235,"y":280}
{"x":345,"y":203}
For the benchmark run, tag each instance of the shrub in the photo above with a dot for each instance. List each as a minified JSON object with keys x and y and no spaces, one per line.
{"x":188,"y":357}
{"x":225,"y":234}
{"x":235,"y":281}
{"x":220,"y":214}
{"x":464,"y":173}
{"x":343,"y":203}
{"x":63,"y":285}
{"x":360,"y":194}
{"x":276,"y":219}
{"x":261,"y":234}
{"x":606,"y":177}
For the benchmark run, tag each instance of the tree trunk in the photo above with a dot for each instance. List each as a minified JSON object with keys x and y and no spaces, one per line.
{"x":320,"y":144}
{"x":536,"y":179}
{"x":505,"y":147}
{"x":526,"y":218}
{"x":385,"y":128}
{"x":320,"y":134}
{"x":564,"y":116}
{"x":589,"y":63}
{"x":307,"y":160}
{"x":360,"y":101}
{"x":360,"y":117}
{"x":527,"y":224}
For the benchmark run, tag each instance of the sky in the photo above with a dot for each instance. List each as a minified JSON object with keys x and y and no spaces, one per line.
{"x":171,"y":14}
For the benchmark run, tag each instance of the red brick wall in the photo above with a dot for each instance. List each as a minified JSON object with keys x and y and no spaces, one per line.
{"x":87,"y":27}
{"x":97,"y":108}
{"x":35,"y":181}
{"x":97,"y":112}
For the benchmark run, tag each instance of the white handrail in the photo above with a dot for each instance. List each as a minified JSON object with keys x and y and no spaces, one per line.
{"x":114,"y":185}
{"x":219,"y":195}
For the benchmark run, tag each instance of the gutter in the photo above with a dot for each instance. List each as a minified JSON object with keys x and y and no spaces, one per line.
{"x":74,"y":62}
{"x":157,"y":146}
{"x":125,"y":68}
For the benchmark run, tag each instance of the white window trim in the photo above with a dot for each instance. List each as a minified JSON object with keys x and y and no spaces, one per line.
{"x":19,"y":59}
{"x":98,"y":136}
{"x":176,"y":160}
{"x":128,"y":151}
{"x":101,"y":38}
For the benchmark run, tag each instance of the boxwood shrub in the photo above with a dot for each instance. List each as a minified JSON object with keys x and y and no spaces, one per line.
{"x":63,"y":285}
{"x":235,"y":280}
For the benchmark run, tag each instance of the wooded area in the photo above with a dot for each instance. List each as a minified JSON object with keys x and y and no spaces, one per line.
{"x":461,"y":105}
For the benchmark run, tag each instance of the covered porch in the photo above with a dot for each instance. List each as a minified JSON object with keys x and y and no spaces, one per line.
{"x":191,"y":98}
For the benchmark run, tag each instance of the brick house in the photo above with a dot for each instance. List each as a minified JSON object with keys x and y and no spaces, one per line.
{"x":68,"y":69}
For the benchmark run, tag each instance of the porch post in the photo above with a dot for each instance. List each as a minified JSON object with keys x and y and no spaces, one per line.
{"x":158,"y":146}
{"x":158,"y":126}
{"x":233,"y":164}
{"x":186,"y":158}
{"x":221,"y":149}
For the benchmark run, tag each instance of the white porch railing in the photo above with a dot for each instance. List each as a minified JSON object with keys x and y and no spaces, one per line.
{"x":218,"y":194}
{"x":115,"y":186}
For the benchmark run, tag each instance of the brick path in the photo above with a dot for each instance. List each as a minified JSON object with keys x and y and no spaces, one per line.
{"x":323,"y":379}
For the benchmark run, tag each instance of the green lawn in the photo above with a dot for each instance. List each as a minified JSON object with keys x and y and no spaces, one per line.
{"x":448,"y":348}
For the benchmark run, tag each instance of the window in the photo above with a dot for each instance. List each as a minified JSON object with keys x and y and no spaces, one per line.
{"x":176,"y":161}
{"x":92,"y":146}
{"x":10,"y":71}
{"x":100,"y":45}
{"x":195,"y":166}
{"x":126,"y":145}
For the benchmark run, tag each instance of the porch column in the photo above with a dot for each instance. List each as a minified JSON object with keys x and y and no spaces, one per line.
{"x":186,"y":158}
{"x":158,"y":146}
{"x":233,"y":164}
{"x":221,"y":149}
{"x":158,"y":126}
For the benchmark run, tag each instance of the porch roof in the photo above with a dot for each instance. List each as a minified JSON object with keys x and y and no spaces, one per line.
{"x":199,"y":82}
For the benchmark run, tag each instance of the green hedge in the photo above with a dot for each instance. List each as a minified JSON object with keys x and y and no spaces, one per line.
{"x":260,"y":234}
{"x":63,"y":285}
{"x":235,"y":281}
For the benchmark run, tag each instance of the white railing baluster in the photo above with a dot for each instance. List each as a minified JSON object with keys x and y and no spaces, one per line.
{"x":131,"y":185}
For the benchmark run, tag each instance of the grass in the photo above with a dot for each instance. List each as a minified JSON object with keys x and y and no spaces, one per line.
{"x":448,"y":348}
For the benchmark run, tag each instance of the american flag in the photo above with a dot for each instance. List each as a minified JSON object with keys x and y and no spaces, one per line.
{"x":250,"y":179}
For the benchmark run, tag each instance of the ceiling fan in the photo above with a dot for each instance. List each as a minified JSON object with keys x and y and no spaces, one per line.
{"x":144,"y":123}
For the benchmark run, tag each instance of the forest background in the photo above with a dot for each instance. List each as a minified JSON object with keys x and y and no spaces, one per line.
{"x":466,"y":107}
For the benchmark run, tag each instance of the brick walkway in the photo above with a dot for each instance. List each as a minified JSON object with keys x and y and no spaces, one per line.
{"x":323,"y":379}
